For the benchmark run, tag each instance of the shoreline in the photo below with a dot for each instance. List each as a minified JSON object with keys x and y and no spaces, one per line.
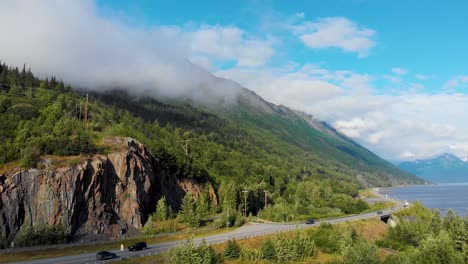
{"x":386,"y":197}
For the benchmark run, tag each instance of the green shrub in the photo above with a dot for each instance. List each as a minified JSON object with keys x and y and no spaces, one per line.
{"x":268,"y":250}
{"x":189,"y":253}
{"x":361,"y":253}
{"x":189,"y":212}
{"x":42,"y":235}
{"x":153,"y":227}
{"x":250,"y":255}
{"x":324,"y":237}
{"x":239,"y":220}
{"x":232,"y":250}
{"x":29,"y":157}
{"x":286,"y":250}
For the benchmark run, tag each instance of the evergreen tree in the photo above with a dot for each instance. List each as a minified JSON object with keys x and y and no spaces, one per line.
{"x":438,"y":249}
{"x":53,"y":82}
{"x":23,"y":76}
{"x":68,"y":88}
{"x":268,"y":250}
{"x":361,"y":253}
{"x":45,"y":84}
{"x":232,"y":250}
{"x":4,"y":76}
{"x":13,"y":76}
{"x":204,"y":203}
{"x":436,"y":223}
{"x":162,"y":210}
{"x":189,"y":253}
{"x":16,"y":90}
{"x":60,"y":87}
{"x":189,"y":211}
{"x":229,"y":195}
{"x":30,"y":79}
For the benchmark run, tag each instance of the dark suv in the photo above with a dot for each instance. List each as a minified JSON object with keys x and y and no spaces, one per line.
{"x":103,"y":255}
{"x":138,"y":246}
{"x":310,"y":222}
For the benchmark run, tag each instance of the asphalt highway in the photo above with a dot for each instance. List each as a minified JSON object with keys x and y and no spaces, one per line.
{"x":246,"y":231}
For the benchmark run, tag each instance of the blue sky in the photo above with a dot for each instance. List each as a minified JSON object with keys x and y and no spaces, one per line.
{"x":422,"y":37}
{"x":392,"y":75}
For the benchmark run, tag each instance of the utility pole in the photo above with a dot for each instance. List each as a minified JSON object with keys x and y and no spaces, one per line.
{"x":86,"y":113}
{"x":266,"y":197}
{"x":245,"y":202}
{"x":185,"y":147}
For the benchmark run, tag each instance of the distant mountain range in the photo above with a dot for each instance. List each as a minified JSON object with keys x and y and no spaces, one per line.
{"x":446,"y":168}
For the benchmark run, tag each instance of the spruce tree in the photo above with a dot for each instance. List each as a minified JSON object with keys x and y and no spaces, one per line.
{"x":189,"y":211}
{"x":53,"y":82}
{"x":13,"y":77}
{"x":23,"y":76}
{"x":45,"y":84}
{"x":268,"y":250}
{"x":30,"y":79}
{"x":204,"y":203}
{"x":232,"y":250}
{"x":60,"y":87}
{"x":162,"y":211}
{"x":4,"y":76}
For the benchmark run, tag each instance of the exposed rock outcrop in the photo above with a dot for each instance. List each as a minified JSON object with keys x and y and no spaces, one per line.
{"x":104,"y":195}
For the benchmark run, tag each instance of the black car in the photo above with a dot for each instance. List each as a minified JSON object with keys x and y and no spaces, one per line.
{"x":310,"y":222}
{"x":103,"y":255}
{"x":379,"y":212}
{"x":138,"y":246}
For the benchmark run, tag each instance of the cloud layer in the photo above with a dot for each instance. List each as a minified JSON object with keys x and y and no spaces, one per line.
{"x":70,"y":40}
{"x":402,"y":121}
{"x":400,"y":126}
{"x":337,"y":32}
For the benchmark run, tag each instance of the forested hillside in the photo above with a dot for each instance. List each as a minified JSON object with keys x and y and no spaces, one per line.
{"x":307,"y":168}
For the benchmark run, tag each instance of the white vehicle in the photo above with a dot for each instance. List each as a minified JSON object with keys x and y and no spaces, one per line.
{"x":406,"y":204}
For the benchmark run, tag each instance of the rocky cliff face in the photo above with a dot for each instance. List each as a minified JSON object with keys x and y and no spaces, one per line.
{"x":104,"y":195}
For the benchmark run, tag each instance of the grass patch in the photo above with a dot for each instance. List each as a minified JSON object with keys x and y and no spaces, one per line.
{"x":367,"y":193}
{"x":381,"y":206}
{"x":10,"y":167}
{"x":67,"y":250}
{"x":369,"y":229}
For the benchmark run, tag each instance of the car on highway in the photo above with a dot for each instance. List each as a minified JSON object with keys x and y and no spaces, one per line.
{"x":138,"y":246}
{"x":104,"y":255}
{"x":310,"y":222}
{"x":379,"y":212}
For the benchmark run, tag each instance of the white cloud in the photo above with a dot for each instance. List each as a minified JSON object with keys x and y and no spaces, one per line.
{"x":337,"y":32}
{"x":422,"y":77}
{"x":230,"y":43}
{"x":202,"y":61}
{"x":399,"y":126}
{"x":393,"y":79}
{"x":399,"y":71}
{"x":300,"y":15}
{"x":70,"y":40}
{"x":456,"y":82}
{"x":416,"y":87}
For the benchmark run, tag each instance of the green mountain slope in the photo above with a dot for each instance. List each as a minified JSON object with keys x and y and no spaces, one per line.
{"x":248,"y":142}
{"x":316,"y":137}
